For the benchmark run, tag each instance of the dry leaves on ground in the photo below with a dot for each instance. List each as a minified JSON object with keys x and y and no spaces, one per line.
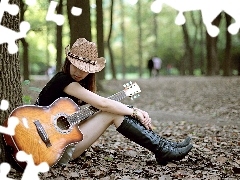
{"x":216,"y":150}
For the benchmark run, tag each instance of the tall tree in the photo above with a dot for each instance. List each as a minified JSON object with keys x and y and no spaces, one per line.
{"x":202,"y":46}
{"x":109,"y":41}
{"x":100,"y":35}
{"x":155,"y":32}
{"x":188,"y":50}
{"x":190,"y":41}
{"x":59,"y":43}
{"x":227,"y":56}
{"x":237,"y":62}
{"x":139,"y":22}
{"x":123,"y":39}
{"x":10,"y":79}
{"x":25,"y":57}
{"x":212,"y":57}
{"x":80,"y":26}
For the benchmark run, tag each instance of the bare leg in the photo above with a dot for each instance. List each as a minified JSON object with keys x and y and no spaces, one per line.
{"x":93,"y":128}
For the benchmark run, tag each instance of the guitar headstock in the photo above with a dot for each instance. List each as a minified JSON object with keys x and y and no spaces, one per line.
{"x":132,"y":90}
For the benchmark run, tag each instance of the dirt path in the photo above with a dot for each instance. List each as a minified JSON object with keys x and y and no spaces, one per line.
{"x":194,"y":99}
{"x":197,"y":99}
{"x":178,"y":117}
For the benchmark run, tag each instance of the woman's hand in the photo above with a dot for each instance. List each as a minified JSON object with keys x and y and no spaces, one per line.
{"x":144,"y":118}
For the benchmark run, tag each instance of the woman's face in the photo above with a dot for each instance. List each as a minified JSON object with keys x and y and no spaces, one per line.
{"x":77,"y":74}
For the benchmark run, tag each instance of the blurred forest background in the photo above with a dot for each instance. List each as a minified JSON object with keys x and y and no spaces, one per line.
{"x":128,"y":34}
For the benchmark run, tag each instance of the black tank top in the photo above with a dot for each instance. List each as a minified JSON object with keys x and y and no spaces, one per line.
{"x":54,"y":90}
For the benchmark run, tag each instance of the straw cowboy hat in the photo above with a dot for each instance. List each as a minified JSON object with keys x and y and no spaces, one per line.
{"x":84,"y":55}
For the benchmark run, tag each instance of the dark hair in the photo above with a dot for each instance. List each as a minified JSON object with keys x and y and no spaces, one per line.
{"x":88,"y":82}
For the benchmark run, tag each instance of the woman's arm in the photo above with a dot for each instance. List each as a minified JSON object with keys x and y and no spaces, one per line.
{"x":105,"y":104}
{"x":99,"y":102}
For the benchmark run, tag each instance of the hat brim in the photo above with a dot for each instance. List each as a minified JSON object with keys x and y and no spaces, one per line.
{"x":86,"y":66}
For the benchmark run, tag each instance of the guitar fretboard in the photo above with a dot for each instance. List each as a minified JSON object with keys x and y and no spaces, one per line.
{"x":89,"y":110}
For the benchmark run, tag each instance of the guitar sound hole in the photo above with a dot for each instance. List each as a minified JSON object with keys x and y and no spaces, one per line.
{"x":63,"y":123}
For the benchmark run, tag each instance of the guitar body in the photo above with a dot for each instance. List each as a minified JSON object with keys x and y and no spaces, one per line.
{"x":44,"y":131}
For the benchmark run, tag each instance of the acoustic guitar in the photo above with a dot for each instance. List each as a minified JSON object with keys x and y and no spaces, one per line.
{"x":45,"y":131}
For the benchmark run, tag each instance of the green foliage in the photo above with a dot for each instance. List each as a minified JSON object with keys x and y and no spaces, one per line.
{"x":170,"y":41}
{"x":109,"y":158}
{"x":35,"y":89}
{"x":26,"y":82}
{"x":27,"y":98}
{"x":41,"y":38}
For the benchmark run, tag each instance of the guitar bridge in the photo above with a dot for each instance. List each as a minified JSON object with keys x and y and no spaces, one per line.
{"x":42,"y":133}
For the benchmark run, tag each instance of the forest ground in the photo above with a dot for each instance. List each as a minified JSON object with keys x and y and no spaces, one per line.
{"x":204,"y":108}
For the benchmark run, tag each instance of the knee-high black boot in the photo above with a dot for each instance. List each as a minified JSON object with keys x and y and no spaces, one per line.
{"x":163,"y":149}
{"x":178,"y":144}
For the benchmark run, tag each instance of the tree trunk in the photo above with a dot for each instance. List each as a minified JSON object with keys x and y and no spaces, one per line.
{"x":80,"y":26}
{"x":238,"y":66}
{"x":202,"y":47}
{"x":139,"y":22}
{"x":182,"y":65}
{"x":212,"y":58}
{"x":109,"y":43}
{"x":59,"y":39}
{"x":25,"y":57}
{"x":10,"y":79}
{"x":227,"y":57}
{"x":123,"y":39}
{"x":188,"y":50}
{"x":100,"y":36}
{"x":155,"y":32}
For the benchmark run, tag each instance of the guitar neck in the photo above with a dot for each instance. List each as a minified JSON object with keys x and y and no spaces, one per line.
{"x":89,"y":110}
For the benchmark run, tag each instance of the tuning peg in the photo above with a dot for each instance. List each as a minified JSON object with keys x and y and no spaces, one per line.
{"x":136,"y":96}
{"x":126,"y":85}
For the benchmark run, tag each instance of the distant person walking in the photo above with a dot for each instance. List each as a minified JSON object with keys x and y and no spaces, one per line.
{"x":157,"y":63}
{"x":150,"y":67}
{"x":169,"y":69}
{"x":50,"y":72}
